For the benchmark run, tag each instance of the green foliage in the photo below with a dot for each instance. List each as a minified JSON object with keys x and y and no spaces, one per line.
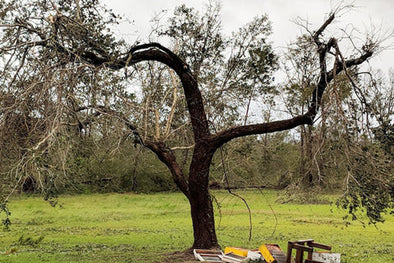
{"x":370,"y":185}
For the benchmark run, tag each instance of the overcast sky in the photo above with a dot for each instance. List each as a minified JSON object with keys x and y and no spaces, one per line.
{"x":282,"y":13}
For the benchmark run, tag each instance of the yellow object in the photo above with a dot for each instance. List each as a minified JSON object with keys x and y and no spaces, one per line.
{"x":272,"y":253}
{"x":237,"y":251}
{"x":266,"y":254}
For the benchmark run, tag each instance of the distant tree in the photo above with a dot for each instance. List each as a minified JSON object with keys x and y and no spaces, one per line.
{"x":59,"y":53}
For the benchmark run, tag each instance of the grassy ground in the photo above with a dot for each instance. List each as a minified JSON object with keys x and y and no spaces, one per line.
{"x":147,"y":228}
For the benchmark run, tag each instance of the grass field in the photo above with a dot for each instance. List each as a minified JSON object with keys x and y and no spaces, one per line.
{"x":147,"y":228}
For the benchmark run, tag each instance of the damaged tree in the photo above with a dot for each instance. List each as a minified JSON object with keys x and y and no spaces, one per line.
{"x":69,"y":42}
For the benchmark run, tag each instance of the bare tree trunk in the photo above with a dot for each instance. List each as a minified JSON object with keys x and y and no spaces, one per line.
{"x":203,"y":219}
{"x":200,"y":200}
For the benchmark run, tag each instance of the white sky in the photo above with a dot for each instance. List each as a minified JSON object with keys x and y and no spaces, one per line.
{"x":235,"y":13}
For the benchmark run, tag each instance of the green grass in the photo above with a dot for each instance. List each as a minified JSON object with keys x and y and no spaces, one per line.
{"x":146,"y":228}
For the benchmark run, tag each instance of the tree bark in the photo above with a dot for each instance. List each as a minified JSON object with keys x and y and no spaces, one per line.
{"x":203,"y":219}
{"x":200,"y":199}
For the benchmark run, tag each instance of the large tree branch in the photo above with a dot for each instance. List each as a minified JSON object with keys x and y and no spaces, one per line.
{"x":222,"y":137}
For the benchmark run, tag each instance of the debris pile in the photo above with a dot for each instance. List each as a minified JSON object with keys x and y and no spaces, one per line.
{"x":266,"y":253}
{"x":271,"y":253}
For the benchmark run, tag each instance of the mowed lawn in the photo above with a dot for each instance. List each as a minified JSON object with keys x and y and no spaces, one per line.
{"x":149,"y":227}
